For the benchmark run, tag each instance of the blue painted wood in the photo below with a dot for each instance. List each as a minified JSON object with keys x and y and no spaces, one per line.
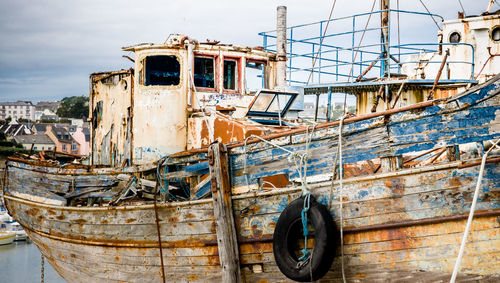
{"x":410,"y":131}
{"x":203,"y":191}
{"x":202,"y":166}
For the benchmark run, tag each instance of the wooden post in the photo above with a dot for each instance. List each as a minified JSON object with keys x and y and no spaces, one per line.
{"x":453,"y":152}
{"x":223,"y":212}
{"x":391,"y":163}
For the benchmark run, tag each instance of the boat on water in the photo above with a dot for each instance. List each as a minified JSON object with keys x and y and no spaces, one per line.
{"x":194,"y":176}
{"x":8,"y":224}
{"x":7,"y":238}
{"x":19,"y":232}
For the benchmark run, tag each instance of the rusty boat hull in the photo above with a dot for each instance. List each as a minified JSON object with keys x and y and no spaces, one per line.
{"x":403,"y":218}
{"x":400,"y":225}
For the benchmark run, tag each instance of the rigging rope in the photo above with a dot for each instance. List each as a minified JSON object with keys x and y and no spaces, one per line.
{"x":471,"y":213}
{"x":463,"y":10}
{"x":321,"y":42}
{"x":431,"y":15}
{"x":359,"y":45}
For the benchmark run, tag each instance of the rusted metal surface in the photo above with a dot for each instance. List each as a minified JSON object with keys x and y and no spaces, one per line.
{"x":155,"y":124}
{"x":111,"y":117}
{"x":431,"y":93}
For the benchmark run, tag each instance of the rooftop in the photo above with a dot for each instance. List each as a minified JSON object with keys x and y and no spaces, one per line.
{"x":17,"y":103}
{"x":36,"y":139}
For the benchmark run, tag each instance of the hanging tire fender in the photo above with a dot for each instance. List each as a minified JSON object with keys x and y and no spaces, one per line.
{"x":288,"y":232}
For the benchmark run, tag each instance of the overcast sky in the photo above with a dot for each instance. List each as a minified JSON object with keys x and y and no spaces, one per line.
{"x":48,"y":48}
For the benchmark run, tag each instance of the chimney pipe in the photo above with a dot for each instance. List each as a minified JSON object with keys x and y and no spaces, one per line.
{"x":281,"y":46}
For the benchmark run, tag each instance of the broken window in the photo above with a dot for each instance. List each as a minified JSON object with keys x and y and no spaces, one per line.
{"x":254,"y":76}
{"x":204,"y":72}
{"x":162,"y":70}
{"x":230,"y":75}
{"x":268,"y":103}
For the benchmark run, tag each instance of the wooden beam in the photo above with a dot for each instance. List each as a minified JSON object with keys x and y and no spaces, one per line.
{"x":223,"y":212}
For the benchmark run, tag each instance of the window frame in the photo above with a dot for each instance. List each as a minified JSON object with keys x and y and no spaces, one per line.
{"x":216,"y":71}
{"x":266,"y":113}
{"x":264,"y":74}
{"x":141,"y":77}
{"x":237,"y":89}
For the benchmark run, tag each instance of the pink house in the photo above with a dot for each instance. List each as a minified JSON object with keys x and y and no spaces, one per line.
{"x":82,"y":136}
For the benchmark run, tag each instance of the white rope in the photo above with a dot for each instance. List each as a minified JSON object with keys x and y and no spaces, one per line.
{"x":299,"y":159}
{"x":471,"y":213}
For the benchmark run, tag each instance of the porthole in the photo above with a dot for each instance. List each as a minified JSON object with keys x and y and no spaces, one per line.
{"x":495,"y":34}
{"x":455,"y":37}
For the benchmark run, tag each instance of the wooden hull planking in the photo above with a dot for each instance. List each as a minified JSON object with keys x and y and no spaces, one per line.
{"x":115,"y":244}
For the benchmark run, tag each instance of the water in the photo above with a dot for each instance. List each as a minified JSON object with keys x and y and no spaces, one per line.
{"x":20,"y":262}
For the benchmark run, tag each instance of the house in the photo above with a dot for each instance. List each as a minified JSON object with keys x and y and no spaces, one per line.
{"x":17,"y":110}
{"x":41,"y":128}
{"x":14,"y":128}
{"x":41,"y":106}
{"x":82,"y":136}
{"x":48,"y":115}
{"x":37,"y":142}
{"x":62,"y":138}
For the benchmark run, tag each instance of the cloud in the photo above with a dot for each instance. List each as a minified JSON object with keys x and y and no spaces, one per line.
{"x":49,"y":47}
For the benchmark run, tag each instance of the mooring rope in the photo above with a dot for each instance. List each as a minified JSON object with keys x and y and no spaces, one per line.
{"x":471,"y":213}
{"x":300,"y":161}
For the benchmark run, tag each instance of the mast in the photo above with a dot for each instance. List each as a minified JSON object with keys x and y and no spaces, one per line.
{"x":384,"y":38}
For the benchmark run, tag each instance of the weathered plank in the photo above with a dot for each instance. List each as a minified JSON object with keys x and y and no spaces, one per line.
{"x":223,"y":213}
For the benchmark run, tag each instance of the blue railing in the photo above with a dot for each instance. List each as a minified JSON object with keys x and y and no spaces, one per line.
{"x":316,"y":57}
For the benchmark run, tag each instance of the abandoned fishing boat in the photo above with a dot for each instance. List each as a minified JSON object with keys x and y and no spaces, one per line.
{"x":194,"y":176}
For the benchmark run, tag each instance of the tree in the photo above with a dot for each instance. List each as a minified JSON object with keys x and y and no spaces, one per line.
{"x":73,"y":107}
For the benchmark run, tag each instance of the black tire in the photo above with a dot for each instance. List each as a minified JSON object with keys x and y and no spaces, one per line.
{"x":288,"y":232}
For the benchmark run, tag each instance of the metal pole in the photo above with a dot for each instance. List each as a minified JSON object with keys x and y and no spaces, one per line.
{"x":319,"y":51}
{"x":281,"y":46}
{"x":291,"y":54}
{"x":329,"y":106}
{"x":312,"y":64}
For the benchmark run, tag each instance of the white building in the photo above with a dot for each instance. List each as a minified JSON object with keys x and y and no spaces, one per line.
{"x":17,"y":110}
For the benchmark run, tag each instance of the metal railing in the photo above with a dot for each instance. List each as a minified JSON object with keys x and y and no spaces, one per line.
{"x":339,"y":55}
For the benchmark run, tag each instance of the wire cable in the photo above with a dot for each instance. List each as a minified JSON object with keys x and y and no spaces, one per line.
{"x":359,"y":45}
{"x":321,"y":42}
{"x":430,"y":14}
{"x":463,"y":10}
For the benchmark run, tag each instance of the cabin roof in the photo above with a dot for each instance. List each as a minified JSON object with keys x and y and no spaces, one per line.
{"x":474,"y":18}
{"x":177,"y":42}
